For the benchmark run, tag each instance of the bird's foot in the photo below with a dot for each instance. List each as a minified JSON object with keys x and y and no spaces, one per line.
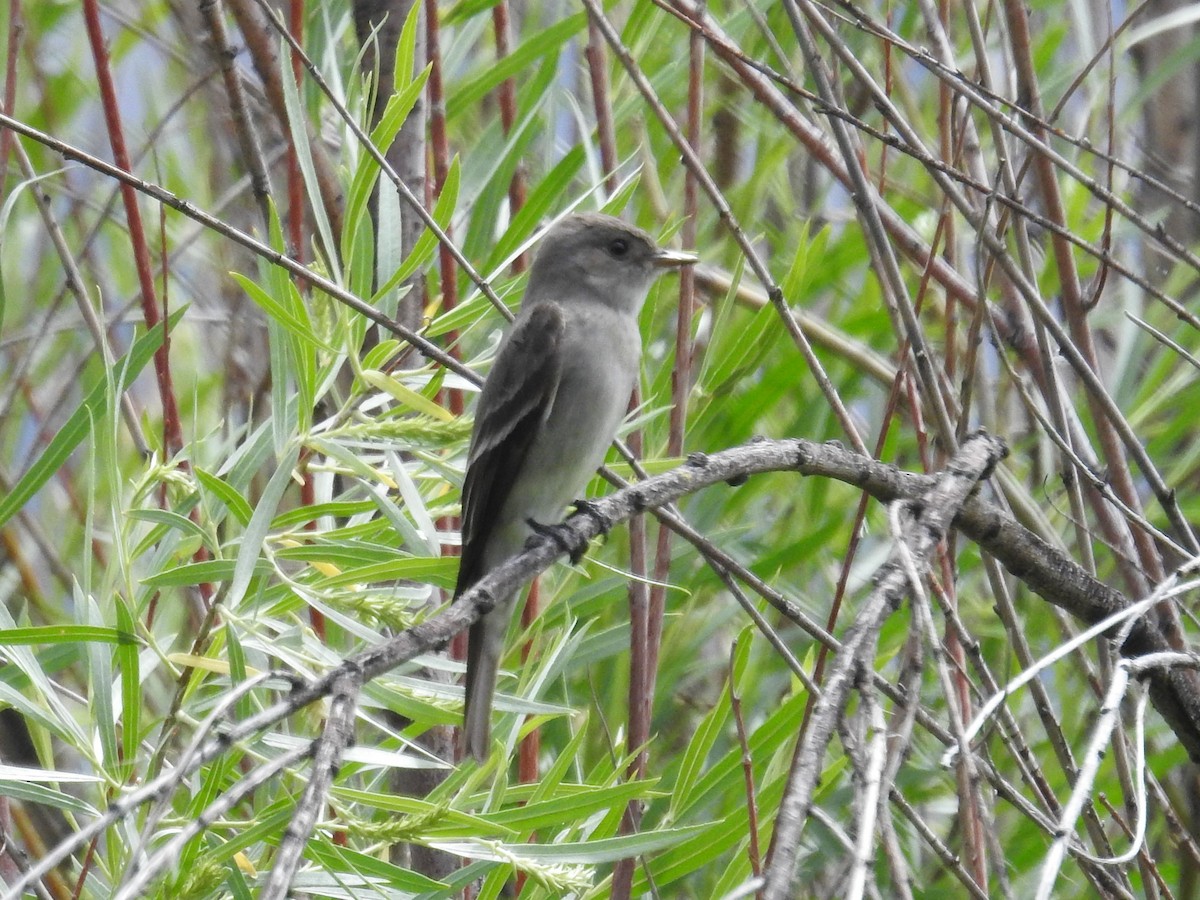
{"x":564,"y":536}
{"x":592,"y":511}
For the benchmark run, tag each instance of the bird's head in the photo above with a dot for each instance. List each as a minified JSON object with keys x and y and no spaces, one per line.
{"x":599,"y":257}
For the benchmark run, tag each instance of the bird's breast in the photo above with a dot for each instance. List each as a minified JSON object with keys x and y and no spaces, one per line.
{"x":599,"y":369}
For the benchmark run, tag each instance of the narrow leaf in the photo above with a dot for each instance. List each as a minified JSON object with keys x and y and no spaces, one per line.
{"x":79,"y":425}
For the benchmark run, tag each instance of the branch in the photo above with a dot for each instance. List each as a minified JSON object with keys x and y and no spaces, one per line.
{"x":1044,"y":570}
{"x":271,"y":255}
{"x":327,"y":751}
{"x":932,"y":514}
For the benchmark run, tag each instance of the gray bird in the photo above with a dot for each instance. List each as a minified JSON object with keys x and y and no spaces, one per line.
{"x":549,"y":410}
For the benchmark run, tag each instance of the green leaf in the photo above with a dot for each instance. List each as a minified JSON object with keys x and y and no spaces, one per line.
{"x":79,"y":425}
{"x":741,"y":348}
{"x":131,"y":685}
{"x":298,"y":127}
{"x":36,"y":793}
{"x":211,"y":570}
{"x":548,"y":40}
{"x":406,"y":51}
{"x":466,"y":9}
{"x":696,"y":753}
{"x":339,"y":553}
{"x":546,"y":197}
{"x":439,"y":572}
{"x":235,"y":880}
{"x":780,"y":726}
{"x":379,"y":355}
{"x":406,"y":396}
{"x":280,"y":313}
{"x":227,"y":494}
{"x":426,"y":244}
{"x":66,"y":634}
{"x":340,"y":859}
{"x":304,"y":514}
{"x":237,"y":670}
{"x":256,"y":532}
{"x":366,"y":173}
{"x":587,"y":852}
{"x":285,"y":419}
{"x":46,"y":708}
{"x":477,"y":306}
{"x":100,"y":683}
{"x":572,"y":805}
{"x":268,"y":824}
{"x":168,"y":518}
{"x":799,"y":277}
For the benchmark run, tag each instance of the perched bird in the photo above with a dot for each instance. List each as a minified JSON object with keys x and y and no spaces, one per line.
{"x":549,"y":410}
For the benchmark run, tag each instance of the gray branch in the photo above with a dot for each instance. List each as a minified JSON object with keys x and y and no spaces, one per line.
{"x":931,"y":517}
{"x":327,"y":751}
{"x":1046,"y":571}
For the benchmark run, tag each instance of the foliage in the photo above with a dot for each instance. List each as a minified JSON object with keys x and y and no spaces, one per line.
{"x":152,"y":598}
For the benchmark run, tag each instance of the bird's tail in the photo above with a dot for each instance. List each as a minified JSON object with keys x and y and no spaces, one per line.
{"x":484,"y":647}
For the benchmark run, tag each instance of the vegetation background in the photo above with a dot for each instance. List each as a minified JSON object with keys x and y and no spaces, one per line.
{"x":915,"y":220}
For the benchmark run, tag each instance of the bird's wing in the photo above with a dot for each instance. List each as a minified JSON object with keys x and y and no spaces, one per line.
{"x":512,"y":409}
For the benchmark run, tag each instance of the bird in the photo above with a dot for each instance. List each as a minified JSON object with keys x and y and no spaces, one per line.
{"x":548,"y":411}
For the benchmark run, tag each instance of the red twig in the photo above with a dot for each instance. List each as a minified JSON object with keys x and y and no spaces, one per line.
{"x":9,"y":870}
{"x":1075,"y":313}
{"x":506,"y":94}
{"x":137,"y":235}
{"x":440,"y":152}
{"x":15,"y":27}
{"x":295,"y":193}
{"x":598,"y":72}
{"x":681,"y":374}
{"x":644,"y":631}
{"x":888,"y":77}
{"x":262,"y":45}
{"x":86,"y":867}
{"x":647,"y":622}
{"x":531,"y":746}
{"x":15,"y":552}
{"x":1106,"y":240}
{"x":172,"y":430}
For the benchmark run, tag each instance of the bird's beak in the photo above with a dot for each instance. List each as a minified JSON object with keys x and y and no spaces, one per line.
{"x":673,"y":259}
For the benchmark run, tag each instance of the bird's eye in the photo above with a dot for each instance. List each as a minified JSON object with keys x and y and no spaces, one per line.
{"x":618,"y":247}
